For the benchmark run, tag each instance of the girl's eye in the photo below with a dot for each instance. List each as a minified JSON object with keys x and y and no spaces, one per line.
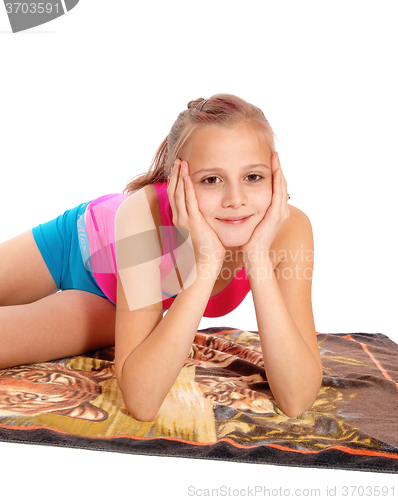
{"x":254,"y":175}
{"x":213,"y":179}
{"x":210,"y":180}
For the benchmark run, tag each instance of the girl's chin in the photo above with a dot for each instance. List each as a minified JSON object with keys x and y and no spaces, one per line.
{"x":233,"y":241}
{"x":232,"y":236}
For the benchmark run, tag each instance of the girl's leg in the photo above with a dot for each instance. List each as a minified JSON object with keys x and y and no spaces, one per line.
{"x":37,"y":324}
{"x":60,"y":325}
{"x":24,"y":276}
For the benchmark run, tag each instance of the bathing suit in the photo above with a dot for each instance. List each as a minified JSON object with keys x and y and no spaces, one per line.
{"x":79,"y":250}
{"x":58,"y":242}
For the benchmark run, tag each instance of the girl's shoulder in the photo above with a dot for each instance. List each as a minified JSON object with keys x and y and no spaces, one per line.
{"x":139,"y":210}
{"x":296,"y":233}
{"x":153,"y":201}
{"x":297,"y":217}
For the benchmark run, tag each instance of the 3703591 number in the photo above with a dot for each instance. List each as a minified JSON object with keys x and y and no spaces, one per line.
{"x":32,"y":8}
{"x":367,"y":491}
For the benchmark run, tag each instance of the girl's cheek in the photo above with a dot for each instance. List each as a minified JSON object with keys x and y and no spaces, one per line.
{"x":264,"y":202}
{"x":204,"y":202}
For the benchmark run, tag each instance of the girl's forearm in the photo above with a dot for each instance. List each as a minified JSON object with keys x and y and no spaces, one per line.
{"x":293,"y":372}
{"x":152,"y":368}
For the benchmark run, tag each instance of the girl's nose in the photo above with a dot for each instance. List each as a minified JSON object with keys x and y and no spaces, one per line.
{"x":234,"y":196}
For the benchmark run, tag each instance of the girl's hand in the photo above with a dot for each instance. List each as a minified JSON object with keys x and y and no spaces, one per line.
{"x":208,"y":249}
{"x":277,"y":213}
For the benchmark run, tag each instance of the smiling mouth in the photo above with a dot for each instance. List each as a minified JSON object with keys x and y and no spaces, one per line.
{"x":235,"y":220}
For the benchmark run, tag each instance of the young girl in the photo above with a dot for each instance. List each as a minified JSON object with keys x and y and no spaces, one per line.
{"x":208,"y":222}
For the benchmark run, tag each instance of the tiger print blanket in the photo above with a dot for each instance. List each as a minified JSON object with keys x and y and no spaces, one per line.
{"x":220,"y":407}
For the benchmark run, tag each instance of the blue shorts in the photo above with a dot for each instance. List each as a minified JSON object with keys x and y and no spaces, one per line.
{"x":58,"y":242}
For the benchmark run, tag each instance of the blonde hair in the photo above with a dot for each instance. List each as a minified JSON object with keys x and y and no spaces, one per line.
{"x":220,"y":109}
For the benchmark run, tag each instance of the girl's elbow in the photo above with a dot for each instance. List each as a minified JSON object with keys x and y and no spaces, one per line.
{"x":294,"y":407}
{"x":142,"y":409}
{"x":294,"y":411}
{"x":141,"y":414}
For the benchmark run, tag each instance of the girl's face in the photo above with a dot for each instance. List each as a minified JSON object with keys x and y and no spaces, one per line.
{"x":230,"y":168}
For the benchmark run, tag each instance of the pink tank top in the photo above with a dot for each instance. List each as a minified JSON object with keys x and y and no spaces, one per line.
{"x":100,"y":226}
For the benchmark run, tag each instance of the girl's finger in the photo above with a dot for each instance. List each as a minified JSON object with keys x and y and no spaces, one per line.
{"x":275,"y":164}
{"x":171,"y":188}
{"x":276,"y":176}
{"x":190,"y":197}
{"x":285,"y":193}
{"x":277,"y":188}
{"x":173,"y":177}
{"x":285,"y":196}
{"x":180,"y":192}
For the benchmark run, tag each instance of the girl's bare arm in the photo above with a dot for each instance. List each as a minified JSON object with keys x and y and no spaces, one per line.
{"x":282,"y":300}
{"x":151,"y":349}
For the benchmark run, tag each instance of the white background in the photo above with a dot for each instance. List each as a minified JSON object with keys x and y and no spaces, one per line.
{"x":86,"y":100}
